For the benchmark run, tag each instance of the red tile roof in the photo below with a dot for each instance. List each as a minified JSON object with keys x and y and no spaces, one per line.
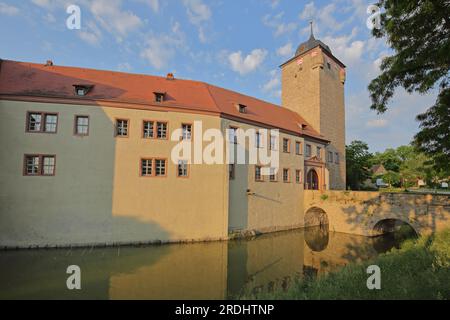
{"x":20,"y":79}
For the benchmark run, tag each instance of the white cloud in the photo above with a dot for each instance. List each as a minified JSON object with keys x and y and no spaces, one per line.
{"x":111,"y":16}
{"x":161,"y":48}
{"x":286,"y":50}
{"x":322,"y":17}
{"x":273,"y":86}
{"x":8,"y":10}
{"x":42,"y":3}
{"x":154,"y":4}
{"x":276,"y":23}
{"x":345,"y":49}
{"x":91,"y":34}
{"x":248,"y":64}
{"x":308,"y":12}
{"x":124,"y":67}
{"x":377,"y":123}
{"x":198,"y":13}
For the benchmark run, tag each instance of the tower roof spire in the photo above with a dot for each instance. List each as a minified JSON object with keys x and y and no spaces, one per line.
{"x":312,"y":30}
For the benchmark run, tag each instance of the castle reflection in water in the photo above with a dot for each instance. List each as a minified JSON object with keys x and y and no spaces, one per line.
{"x":218,"y":270}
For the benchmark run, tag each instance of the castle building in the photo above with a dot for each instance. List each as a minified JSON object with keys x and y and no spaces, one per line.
{"x":86,"y":154}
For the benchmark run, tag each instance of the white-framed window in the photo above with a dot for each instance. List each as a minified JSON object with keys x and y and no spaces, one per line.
{"x":286,"y":175}
{"x":273,"y":175}
{"x":148,"y":128}
{"x":122,"y":127}
{"x":258,"y":175}
{"x":183,"y":168}
{"x":81,"y":125}
{"x":258,"y":139}
{"x":161,"y":130}
{"x":42,"y":122}
{"x":186,"y":131}
{"x":146,"y":167}
{"x":160,"y":167}
{"x":286,"y":145}
{"x":298,"y":176}
{"x":298,"y":148}
{"x":336,"y":158}
{"x":39,"y":165}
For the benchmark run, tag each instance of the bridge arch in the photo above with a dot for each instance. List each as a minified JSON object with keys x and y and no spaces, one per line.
{"x":316,"y":216}
{"x":317,"y":233}
{"x":392,"y":225}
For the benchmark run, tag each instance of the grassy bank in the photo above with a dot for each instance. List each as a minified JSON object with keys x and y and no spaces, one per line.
{"x":419,"y":270}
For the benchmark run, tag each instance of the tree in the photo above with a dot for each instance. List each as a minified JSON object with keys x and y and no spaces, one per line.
{"x":392,"y":178}
{"x":358,"y":162}
{"x":419,"y":34}
{"x":389,"y":159}
{"x":434,"y":138}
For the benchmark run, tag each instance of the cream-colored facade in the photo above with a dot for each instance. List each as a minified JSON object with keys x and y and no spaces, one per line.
{"x":97,"y":195}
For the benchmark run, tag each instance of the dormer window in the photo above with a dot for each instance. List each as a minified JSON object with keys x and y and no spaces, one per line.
{"x":159,"y":96}
{"x":82,"y":90}
{"x":242,"y":108}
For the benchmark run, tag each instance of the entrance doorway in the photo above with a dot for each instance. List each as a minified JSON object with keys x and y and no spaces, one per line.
{"x":312,"y":180}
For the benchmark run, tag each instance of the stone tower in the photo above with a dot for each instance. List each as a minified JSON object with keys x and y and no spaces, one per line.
{"x":313,"y":86}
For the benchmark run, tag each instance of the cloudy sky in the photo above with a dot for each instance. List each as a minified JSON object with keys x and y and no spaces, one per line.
{"x":236,"y":44}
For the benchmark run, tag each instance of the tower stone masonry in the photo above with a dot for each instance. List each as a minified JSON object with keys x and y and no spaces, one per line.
{"x":313,"y":86}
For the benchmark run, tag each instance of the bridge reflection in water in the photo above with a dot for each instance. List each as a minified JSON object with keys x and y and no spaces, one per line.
{"x":217,"y":270}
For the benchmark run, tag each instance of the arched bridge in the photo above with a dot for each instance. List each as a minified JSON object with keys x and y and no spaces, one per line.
{"x":374,"y":213}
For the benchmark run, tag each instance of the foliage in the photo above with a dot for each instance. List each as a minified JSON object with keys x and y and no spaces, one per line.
{"x":419,"y":34}
{"x":434,"y":138}
{"x":392,"y":178}
{"x":419,"y":270}
{"x":358,"y":164}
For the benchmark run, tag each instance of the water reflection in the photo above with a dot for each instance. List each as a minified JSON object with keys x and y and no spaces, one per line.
{"x":217,"y":270}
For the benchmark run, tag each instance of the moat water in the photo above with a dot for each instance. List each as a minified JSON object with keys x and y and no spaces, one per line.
{"x":219,"y":270}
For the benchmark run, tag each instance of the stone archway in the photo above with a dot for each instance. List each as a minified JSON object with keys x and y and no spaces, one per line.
{"x":391,"y":233}
{"x":312,"y":180}
{"x":392,"y":225}
{"x":316,"y":229}
{"x":315,"y":216}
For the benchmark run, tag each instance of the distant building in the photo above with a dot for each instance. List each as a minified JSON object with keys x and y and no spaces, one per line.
{"x":378,"y":170}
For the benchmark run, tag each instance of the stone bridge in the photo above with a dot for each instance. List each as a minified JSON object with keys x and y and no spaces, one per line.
{"x":374,"y":213}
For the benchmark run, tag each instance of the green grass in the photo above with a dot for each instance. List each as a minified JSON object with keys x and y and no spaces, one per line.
{"x":419,"y":270}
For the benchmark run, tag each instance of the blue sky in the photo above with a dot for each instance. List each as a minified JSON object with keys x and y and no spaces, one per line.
{"x":236,"y":44}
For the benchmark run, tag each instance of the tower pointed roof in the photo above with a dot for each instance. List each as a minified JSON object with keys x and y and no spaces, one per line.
{"x":311,"y":43}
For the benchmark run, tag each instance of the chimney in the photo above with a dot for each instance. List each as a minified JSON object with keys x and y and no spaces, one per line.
{"x":170,"y":76}
{"x":49,"y":63}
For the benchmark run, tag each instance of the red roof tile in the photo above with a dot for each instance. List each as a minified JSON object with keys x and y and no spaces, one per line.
{"x":19,"y":79}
